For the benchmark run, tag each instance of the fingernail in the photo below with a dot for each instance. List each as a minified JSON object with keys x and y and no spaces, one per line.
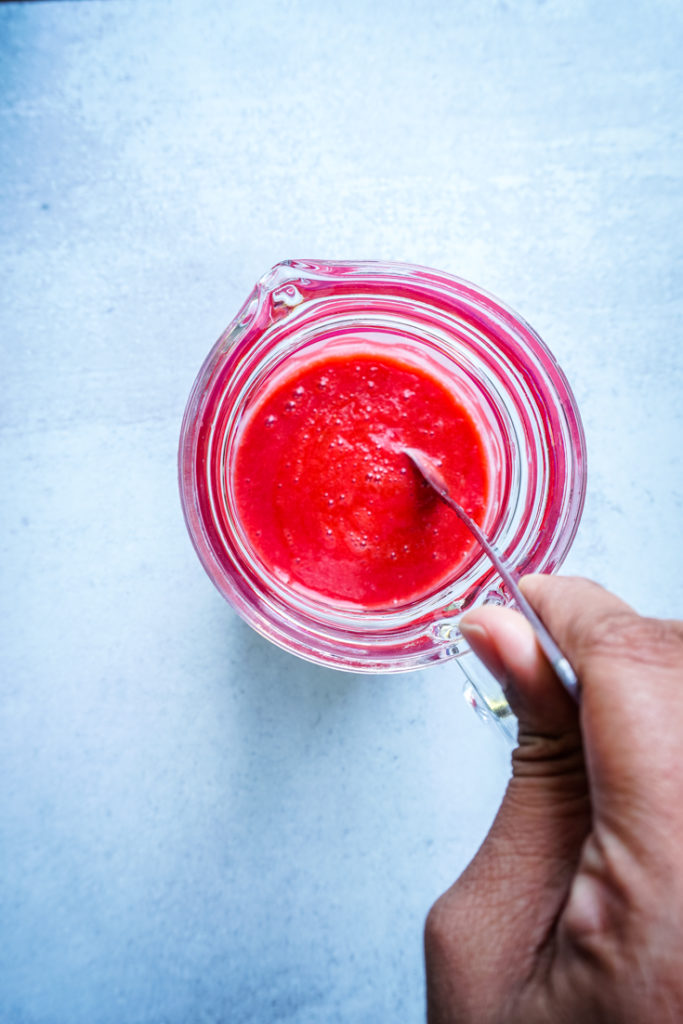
{"x":476,"y":635}
{"x":480,"y":641}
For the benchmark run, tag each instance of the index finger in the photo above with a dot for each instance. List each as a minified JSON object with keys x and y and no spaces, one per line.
{"x":631,"y":673}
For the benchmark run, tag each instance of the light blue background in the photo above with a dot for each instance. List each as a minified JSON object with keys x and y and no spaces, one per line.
{"x":197,"y":827}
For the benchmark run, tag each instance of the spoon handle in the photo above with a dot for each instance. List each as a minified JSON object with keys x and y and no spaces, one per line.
{"x":560,"y":664}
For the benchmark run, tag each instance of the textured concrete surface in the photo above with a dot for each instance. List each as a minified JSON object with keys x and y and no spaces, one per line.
{"x":196,"y":826}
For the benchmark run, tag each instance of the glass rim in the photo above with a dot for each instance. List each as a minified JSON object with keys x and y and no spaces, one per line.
{"x":297,"y":295}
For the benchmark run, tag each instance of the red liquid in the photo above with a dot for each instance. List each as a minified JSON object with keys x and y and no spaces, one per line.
{"x":325,"y":496}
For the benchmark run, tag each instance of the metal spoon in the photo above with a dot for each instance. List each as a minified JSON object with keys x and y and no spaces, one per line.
{"x":432,"y":475}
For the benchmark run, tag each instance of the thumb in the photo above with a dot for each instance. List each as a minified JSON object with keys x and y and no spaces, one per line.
{"x":503,"y":907}
{"x":506,"y":643}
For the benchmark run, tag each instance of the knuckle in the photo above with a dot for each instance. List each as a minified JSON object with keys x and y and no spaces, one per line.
{"x":450,"y":929}
{"x":631,"y":637}
{"x":453,"y":923}
{"x":438,"y":930}
{"x":546,"y":755}
{"x":467,"y":975}
{"x":450,"y":962}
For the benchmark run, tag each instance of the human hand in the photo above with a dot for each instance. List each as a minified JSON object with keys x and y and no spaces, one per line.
{"x":572,"y":910}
